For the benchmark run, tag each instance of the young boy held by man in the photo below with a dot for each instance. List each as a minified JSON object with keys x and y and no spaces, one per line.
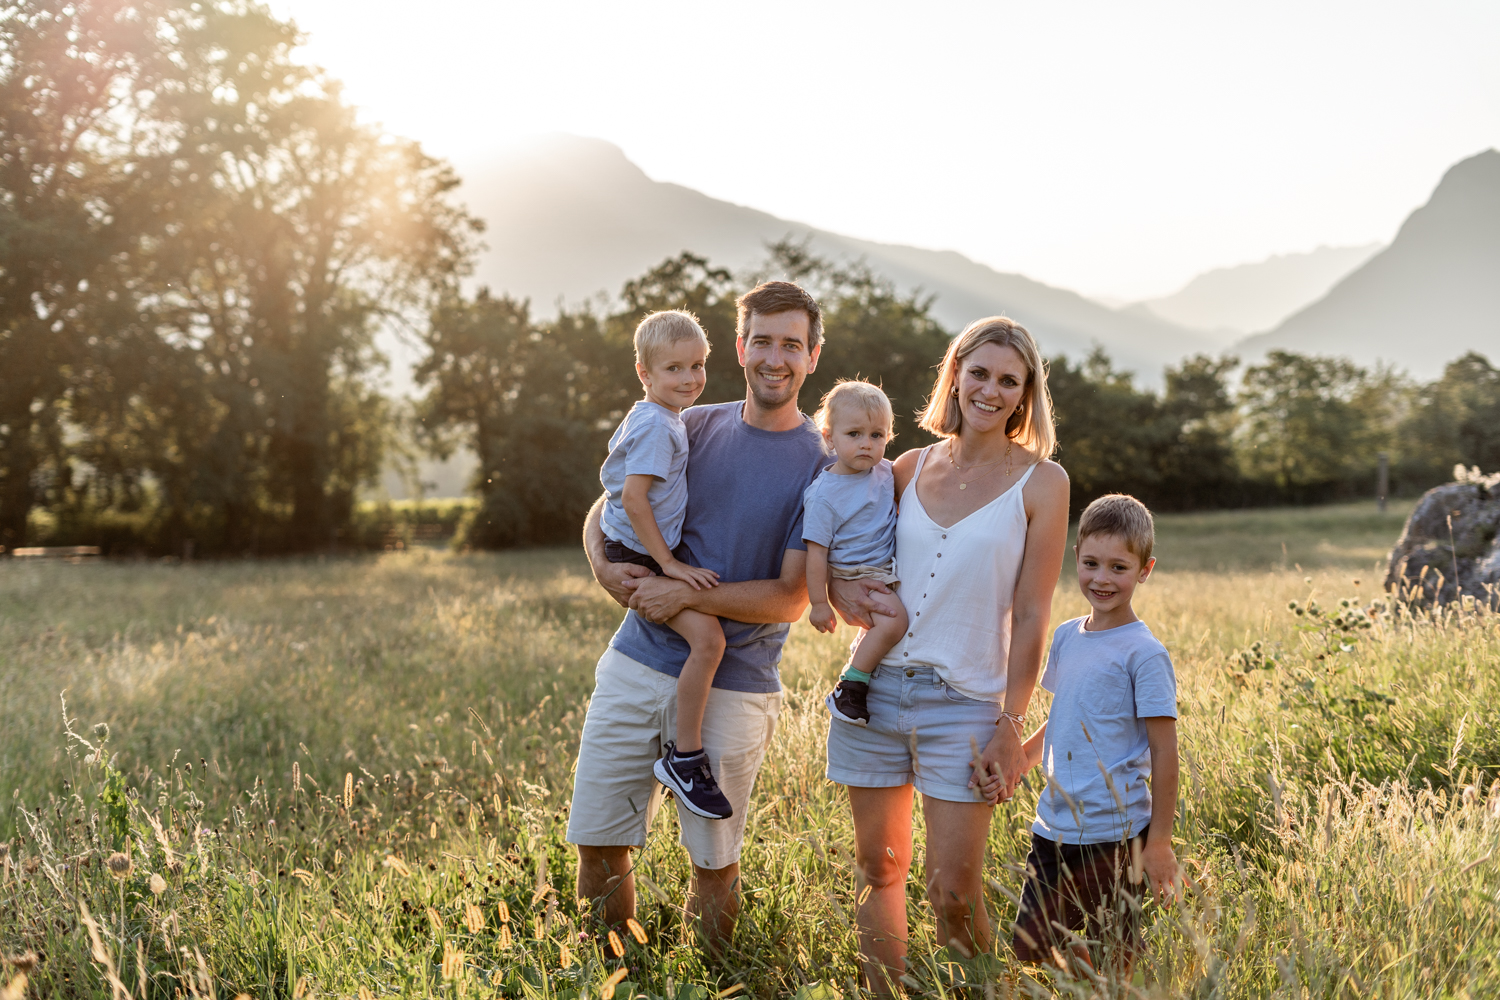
{"x":645,"y":477}
{"x":1100,"y":827}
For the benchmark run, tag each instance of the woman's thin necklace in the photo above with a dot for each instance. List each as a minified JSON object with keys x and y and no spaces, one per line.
{"x":959,"y":469}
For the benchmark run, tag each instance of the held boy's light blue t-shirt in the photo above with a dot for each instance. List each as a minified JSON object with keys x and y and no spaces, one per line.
{"x":744,"y":511}
{"x":854,"y":517}
{"x":650,"y":441}
{"x":1107,"y":683}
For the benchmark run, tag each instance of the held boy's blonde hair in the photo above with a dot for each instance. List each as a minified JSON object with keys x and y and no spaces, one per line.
{"x":1031,"y":424}
{"x":1126,"y":518}
{"x":661,"y":330}
{"x":854,"y":392}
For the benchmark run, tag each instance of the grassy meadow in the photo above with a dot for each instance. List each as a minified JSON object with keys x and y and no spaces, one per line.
{"x":350,"y":778}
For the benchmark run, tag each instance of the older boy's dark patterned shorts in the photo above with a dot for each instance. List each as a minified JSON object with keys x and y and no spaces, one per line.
{"x":1084,"y":888}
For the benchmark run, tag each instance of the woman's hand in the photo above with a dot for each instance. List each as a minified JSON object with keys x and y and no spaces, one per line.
{"x":1000,"y":765}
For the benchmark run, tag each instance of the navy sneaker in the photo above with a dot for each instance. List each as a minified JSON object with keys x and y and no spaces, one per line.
{"x":847,"y":702}
{"x":692,"y":781}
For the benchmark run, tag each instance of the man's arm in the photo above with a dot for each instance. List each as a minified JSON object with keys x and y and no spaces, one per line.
{"x":758,"y":602}
{"x":617,"y":579}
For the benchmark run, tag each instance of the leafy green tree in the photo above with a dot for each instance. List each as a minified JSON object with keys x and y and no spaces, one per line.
{"x":74,"y":84}
{"x":246,"y":237}
{"x":537,"y":404}
{"x":1454,"y":420}
{"x":1303,"y":427}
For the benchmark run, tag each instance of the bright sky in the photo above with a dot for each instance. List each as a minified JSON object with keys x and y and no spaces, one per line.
{"x":1113,"y":148}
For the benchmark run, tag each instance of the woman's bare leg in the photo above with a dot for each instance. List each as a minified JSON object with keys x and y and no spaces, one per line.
{"x":882,"y":855}
{"x":956,"y":836}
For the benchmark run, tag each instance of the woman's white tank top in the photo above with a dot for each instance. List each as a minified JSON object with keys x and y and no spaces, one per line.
{"x":958,"y":584}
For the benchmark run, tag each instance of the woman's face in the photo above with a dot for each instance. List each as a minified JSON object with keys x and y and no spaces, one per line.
{"x":991,"y":384}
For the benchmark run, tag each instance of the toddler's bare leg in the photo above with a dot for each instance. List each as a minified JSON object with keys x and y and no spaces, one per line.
{"x":878,"y":641}
{"x":706,"y":648}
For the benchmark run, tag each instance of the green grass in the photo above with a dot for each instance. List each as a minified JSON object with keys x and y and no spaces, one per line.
{"x":1337,"y":812}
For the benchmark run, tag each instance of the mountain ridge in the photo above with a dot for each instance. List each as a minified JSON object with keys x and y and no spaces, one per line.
{"x":1428,"y":297}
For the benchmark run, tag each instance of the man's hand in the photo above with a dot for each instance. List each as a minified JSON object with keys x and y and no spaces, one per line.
{"x":619,"y":580}
{"x":855,"y":603}
{"x":1162,"y":873}
{"x":821,"y":616}
{"x":660,"y":599}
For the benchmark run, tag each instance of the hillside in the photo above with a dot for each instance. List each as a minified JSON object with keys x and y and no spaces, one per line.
{"x":1250,"y":298}
{"x":571,"y":218}
{"x":1433,"y":294}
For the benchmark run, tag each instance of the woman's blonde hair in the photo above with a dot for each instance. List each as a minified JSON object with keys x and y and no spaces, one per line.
{"x":1031,"y":424}
{"x":854,"y":392}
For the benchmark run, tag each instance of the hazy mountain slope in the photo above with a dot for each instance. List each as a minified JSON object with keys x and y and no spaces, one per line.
{"x":1433,"y":294}
{"x":571,"y":218}
{"x":1255,"y":297}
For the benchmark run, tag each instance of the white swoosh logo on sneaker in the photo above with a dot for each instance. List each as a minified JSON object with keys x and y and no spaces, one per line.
{"x":687,"y":786}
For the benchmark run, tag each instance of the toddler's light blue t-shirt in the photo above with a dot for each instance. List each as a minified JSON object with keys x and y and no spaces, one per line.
{"x":854,"y":517}
{"x":1107,"y":683}
{"x":650,"y":441}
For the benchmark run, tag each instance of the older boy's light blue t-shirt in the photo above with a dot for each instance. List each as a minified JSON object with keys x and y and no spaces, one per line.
{"x":1106,"y":683}
{"x":854,"y":517}
{"x":650,"y":441}
{"x":744,"y":511}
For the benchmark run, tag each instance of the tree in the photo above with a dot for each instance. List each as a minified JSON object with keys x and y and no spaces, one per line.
{"x":74,"y":84}
{"x":1453,"y":421}
{"x":239,"y":237}
{"x":537,"y":405}
{"x":1302,"y":428}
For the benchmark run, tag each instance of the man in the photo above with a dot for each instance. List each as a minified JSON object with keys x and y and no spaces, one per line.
{"x":748,"y":464}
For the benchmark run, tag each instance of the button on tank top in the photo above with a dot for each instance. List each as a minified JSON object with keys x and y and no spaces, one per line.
{"x":958,"y":584}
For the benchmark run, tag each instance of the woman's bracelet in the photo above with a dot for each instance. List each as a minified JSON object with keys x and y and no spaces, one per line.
{"x":1017,"y":722}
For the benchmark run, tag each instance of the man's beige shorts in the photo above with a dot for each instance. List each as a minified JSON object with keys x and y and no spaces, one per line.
{"x":632,"y":714}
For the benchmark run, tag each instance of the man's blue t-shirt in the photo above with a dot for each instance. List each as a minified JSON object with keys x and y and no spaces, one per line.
{"x":744,"y":511}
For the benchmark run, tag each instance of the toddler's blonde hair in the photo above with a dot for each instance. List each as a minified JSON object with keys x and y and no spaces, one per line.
{"x":854,"y":392}
{"x":1123,"y":516}
{"x":662,"y":329}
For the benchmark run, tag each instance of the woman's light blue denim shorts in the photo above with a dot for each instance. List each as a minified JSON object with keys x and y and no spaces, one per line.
{"x":921,"y":732}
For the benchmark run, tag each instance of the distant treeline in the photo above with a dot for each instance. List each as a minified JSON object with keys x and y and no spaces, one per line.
{"x":198,"y":242}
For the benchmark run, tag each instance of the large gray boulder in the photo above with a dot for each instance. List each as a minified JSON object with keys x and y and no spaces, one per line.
{"x":1451,"y":544}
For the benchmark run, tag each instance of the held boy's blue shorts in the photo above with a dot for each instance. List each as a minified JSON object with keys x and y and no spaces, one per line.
{"x":921,"y":732}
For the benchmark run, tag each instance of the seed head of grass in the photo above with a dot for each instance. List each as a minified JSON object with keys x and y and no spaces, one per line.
{"x":158,"y":884}
{"x":24,"y":962}
{"x":120,"y":865}
{"x":616,"y":945}
{"x":607,"y":991}
{"x":636,"y":930}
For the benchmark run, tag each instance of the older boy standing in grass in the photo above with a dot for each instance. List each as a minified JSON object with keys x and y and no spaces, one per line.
{"x":748,"y":464}
{"x":1112,"y":726}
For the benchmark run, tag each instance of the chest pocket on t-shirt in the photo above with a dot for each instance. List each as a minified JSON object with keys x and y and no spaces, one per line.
{"x":1108,"y":692}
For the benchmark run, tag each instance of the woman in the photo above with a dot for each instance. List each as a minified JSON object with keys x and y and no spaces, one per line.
{"x":979,"y":546}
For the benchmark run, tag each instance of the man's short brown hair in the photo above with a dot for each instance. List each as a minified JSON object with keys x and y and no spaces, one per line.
{"x":1126,"y":518}
{"x":771,"y":297}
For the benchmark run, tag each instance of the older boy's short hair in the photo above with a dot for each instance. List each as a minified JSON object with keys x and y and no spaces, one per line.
{"x":771,"y":297}
{"x":661,"y":330}
{"x":1124,"y":517}
{"x":850,"y":392}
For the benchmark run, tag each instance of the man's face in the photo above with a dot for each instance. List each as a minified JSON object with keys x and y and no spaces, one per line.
{"x":776,"y":358}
